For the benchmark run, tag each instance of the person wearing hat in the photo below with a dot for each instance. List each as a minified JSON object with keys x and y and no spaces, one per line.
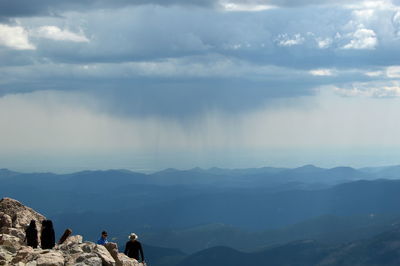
{"x":133,"y":248}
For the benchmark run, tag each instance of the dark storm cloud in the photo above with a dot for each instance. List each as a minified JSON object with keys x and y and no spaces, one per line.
{"x":17,"y":8}
{"x":149,"y":33}
{"x":172,"y":98}
{"x":174,"y":61}
{"x":179,"y":97}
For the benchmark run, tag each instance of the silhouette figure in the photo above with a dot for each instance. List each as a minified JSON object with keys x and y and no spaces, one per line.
{"x":133,"y":248}
{"x":31,"y":234}
{"x":48,"y":238}
{"x":103,"y":239}
{"x":64,"y":237}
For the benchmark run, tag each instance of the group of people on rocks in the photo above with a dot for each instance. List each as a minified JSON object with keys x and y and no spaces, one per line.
{"x":47,"y":235}
{"x":133,"y":247}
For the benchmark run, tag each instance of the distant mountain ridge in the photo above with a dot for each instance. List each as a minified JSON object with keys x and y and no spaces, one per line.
{"x":250,"y":177}
{"x":285,"y":197}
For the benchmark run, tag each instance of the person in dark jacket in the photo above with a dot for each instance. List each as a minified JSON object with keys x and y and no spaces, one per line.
{"x":31,"y":234}
{"x":133,"y":248}
{"x":48,"y":238}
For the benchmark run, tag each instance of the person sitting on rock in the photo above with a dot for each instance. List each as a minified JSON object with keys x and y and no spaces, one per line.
{"x":103,"y":239}
{"x":31,"y":234}
{"x":48,"y":238}
{"x":133,"y":248}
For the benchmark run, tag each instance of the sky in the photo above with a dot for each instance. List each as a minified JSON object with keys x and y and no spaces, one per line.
{"x":147,"y":85}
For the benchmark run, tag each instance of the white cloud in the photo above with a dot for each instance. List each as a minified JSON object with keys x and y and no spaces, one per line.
{"x":364,"y":14}
{"x":238,"y":7}
{"x":250,"y":6}
{"x":362,"y":39}
{"x":371,"y":89}
{"x":322,"y":72}
{"x":371,"y":4}
{"x":15,"y":37}
{"x":324,"y":43}
{"x":374,"y":73}
{"x":55,"y":33}
{"x":393,"y":72}
{"x":396,"y":23}
{"x":286,"y":40}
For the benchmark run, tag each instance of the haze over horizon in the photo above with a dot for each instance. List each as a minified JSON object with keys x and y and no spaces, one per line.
{"x":226,"y":83}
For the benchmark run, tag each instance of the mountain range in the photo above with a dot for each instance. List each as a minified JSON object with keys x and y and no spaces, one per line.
{"x":244,"y":211}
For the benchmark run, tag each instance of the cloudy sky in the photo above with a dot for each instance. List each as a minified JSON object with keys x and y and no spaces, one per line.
{"x":146,"y":85}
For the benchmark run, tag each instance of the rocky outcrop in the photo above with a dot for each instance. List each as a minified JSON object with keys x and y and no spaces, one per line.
{"x":14,"y":217}
{"x":120,"y":258}
{"x":19,"y":214}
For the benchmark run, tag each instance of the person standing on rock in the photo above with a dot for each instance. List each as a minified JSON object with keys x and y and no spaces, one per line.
{"x":103,"y":239}
{"x":133,"y":248}
{"x":47,"y":238}
{"x":31,"y":234}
